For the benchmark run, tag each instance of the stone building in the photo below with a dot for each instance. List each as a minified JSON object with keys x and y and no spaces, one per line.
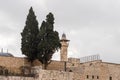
{"x":86,"y":68}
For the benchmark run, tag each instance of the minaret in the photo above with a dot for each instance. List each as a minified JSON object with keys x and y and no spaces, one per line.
{"x":64,"y":47}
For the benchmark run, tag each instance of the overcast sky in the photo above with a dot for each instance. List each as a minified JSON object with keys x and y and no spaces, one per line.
{"x":92,"y":26}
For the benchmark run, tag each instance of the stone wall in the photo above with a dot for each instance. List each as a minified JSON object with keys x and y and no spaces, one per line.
{"x":100,"y":70}
{"x":13,"y":64}
{"x":74,"y":60}
{"x":54,"y":65}
{"x":15,"y":78}
{"x":58,"y":75}
{"x":94,"y":70}
{"x":47,"y":75}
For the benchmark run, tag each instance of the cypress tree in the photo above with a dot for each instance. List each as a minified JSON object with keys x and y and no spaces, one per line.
{"x":49,"y":41}
{"x":29,"y":36}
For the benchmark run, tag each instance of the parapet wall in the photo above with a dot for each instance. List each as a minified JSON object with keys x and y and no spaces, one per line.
{"x":74,"y":60}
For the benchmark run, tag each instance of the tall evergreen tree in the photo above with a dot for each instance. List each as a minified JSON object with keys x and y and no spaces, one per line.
{"x":49,"y":41}
{"x":29,"y":37}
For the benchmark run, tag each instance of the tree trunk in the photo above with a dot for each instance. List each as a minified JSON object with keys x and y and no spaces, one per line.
{"x":43,"y":65}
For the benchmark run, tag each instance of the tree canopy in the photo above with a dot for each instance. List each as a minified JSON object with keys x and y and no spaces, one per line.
{"x":49,"y":41}
{"x":40,"y":43}
{"x":29,"y":36}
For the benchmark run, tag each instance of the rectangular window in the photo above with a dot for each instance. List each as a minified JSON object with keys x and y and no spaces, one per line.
{"x":87,"y":76}
{"x":110,"y":78}
{"x":92,"y":77}
{"x":97,"y":77}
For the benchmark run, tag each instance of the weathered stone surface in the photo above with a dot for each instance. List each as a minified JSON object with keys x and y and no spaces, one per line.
{"x":66,"y":69}
{"x":100,"y":70}
{"x":96,"y":70}
{"x":15,"y":78}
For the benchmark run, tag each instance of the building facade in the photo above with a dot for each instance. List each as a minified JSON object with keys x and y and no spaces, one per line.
{"x":87,"y":68}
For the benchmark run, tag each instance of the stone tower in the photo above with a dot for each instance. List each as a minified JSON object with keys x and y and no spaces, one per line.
{"x":64,"y":47}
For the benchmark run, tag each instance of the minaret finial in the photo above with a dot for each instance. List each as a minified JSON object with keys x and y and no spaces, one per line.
{"x":63,"y":36}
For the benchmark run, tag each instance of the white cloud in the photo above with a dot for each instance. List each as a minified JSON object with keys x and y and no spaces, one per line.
{"x":92,"y":26}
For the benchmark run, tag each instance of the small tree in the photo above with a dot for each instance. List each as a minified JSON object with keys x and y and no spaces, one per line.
{"x":49,"y":41}
{"x":29,"y":37}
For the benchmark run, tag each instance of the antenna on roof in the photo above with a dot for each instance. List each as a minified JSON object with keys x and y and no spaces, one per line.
{"x":2,"y":50}
{"x":7,"y":50}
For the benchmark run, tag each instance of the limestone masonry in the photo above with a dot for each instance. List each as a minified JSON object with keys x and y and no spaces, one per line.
{"x":88,"y":68}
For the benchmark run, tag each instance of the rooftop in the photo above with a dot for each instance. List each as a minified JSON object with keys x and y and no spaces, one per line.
{"x":6,"y":54}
